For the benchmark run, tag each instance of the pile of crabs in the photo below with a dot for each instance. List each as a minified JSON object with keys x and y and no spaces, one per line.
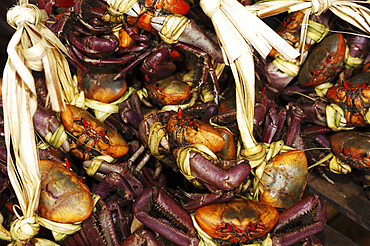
{"x":152,"y":154}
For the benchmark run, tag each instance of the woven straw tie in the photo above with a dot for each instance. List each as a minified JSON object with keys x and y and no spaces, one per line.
{"x":24,"y":13}
{"x":320,"y":6}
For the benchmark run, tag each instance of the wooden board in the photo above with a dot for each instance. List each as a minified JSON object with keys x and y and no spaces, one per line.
{"x":346,"y":196}
{"x":331,"y":237}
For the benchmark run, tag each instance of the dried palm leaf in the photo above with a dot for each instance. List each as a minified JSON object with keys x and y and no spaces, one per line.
{"x":33,"y":47}
{"x":237,"y":30}
{"x":350,"y":11}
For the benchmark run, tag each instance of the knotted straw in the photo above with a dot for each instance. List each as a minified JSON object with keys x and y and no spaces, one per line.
{"x":183,"y":160}
{"x":173,"y":27}
{"x":119,"y":7}
{"x":349,"y":11}
{"x":32,"y":47}
{"x":237,"y":30}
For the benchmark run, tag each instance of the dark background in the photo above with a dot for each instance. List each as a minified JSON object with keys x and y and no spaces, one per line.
{"x":6,"y":31}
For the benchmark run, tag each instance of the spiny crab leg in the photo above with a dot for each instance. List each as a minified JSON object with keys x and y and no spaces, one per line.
{"x":306,"y":218}
{"x":154,"y":198}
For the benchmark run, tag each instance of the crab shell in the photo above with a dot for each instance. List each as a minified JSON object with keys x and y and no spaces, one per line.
{"x":352,"y":148}
{"x":63,"y":197}
{"x":184,"y":129}
{"x":324,"y":62}
{"x":94,"y":135}
{"x":98,"y":84}
{"x":353,"y":98}
{"x":284,"y":179}
{"x":169,"y":91}
{"x":237,"y":221}
{"x":290,"y":30}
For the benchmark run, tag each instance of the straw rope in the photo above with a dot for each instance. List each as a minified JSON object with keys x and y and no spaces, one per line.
{"x":96,"y":162}
{"x":173,"y":27}
{"x":32,"y":47}
{"x":237,"y":30}
{"x":349,"y":11}
{"x":183,"y":160}
{"x":119,"y":7}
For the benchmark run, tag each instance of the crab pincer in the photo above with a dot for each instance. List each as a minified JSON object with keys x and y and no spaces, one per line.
{"x":47,"y":125}
{"x":174,"y":224}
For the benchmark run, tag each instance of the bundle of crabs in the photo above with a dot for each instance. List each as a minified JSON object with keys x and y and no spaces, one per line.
{"x":149,"y":152}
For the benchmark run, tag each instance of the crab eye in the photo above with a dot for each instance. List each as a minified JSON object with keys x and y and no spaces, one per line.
{"x":179,"y":113}
{"x":328,"y":59}
{"x":103,"y":133}
{"x":84,"y":122}
{"x":313,"y":72}
{"x":252,"y":227}
{"x":345,"y":151}
{"x":345,"y":85}
{"x":363,"y":86}
{"x":364,"y":156}
{"x":191,"y":120}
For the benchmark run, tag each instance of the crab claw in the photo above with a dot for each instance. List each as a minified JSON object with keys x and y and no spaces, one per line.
{"x":116,"y":181}
{"x":157,"y":22}
{"x":142,"y":237}
{"x":304,"y":219}
{"x":210,"y":172}
{"x":144,"y":130}
{"x":134,"y":11}
{"x":46,"y":124}
{"x":190,"y":34}
{"x":156,"y":198}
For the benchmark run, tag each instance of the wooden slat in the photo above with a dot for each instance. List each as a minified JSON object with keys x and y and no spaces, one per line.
{"x":331,"y":237}
{"x":346,"y":196}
